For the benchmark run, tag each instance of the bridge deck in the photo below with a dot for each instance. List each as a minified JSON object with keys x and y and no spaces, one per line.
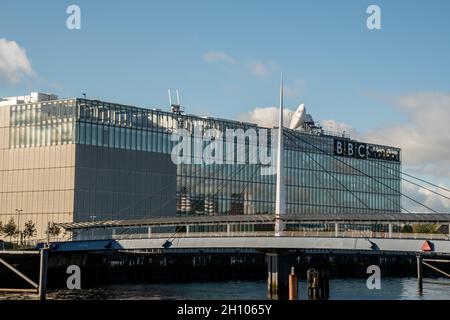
{"x":260,"y":243}
{"x":442,"y":218}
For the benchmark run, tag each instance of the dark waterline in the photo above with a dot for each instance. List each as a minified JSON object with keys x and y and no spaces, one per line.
{"x":343,"y":289}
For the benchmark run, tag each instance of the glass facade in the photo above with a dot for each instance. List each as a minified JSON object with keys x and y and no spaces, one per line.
{"x":42,"y":124}
{"x":316,"y":180}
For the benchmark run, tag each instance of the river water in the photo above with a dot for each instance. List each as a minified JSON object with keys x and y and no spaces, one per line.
{"x":341,"y":289}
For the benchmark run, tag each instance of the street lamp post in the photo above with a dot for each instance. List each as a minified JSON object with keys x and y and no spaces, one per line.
{"x":92,"y":231}
{"x":19,"y":211}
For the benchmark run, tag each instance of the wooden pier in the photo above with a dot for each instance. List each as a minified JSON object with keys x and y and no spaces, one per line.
{"x":426,"y":262}
{"x":40,"y":287}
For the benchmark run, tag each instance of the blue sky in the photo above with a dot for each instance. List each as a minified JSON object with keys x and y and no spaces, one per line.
{"x":133,"y":51}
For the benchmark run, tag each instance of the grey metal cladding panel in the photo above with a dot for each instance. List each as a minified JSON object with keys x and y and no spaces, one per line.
{"x":123,"y":184}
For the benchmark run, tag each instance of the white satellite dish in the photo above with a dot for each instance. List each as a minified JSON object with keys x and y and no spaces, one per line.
{"x":298,"y":117}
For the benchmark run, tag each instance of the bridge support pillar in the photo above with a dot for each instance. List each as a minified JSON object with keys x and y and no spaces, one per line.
{"x":336,"y":230}
{"x":188,"y":229}
{"x":390,"y":230}
{"x":278,"y":275}
{"x":419,"y":273}
{"x":42,"y":289}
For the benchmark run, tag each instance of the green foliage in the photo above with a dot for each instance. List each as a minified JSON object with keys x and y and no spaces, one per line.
{"x":425,"y":228}
{"x":29,"y":229}
{"x":10,"y":229}
{"x":407,"y":229}
{"x":53,"y":230}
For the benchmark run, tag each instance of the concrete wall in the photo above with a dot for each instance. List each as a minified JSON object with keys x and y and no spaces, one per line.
{"x":39,"y":181}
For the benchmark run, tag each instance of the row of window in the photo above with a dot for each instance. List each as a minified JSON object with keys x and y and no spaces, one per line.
{"x":37,"y":114}
{"x":313,"y":178}
{"x":41,"y":135}
{"x":294,"y":196}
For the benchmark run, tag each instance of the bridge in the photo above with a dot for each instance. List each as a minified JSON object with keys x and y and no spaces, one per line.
{"x":373,"y":232}
{"x":277,"y":233}
{"x":324,"y":234}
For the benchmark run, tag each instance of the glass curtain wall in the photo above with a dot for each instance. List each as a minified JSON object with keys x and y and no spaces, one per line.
{"x":316,"y":181}
{"x":42,"y":124}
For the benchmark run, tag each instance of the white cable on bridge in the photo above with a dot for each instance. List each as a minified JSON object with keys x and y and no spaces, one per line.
{"x":372,"y":187}
{"x":348,"y":165}
{"x":334,"y":157}
{"x":329,"y":173}
{"x":225,"y":181}
{"x":416,"y":178}
{"x":114,"y":214}
{"x":412,"y":182}
{"x":173,"y":198}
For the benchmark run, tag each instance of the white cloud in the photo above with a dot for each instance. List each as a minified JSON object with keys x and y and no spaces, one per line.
{"x":428,"y":198}
{"x":218,"y":56}
{"x":338,"y":127}
{"x":266,"y":116}
{"x":257,"y":68}
{"x":260,"y":68}
{"x":295,"y":90}
{"x":14,"y":63}
{"x":425,"y":136}
{"x":425,"y":141}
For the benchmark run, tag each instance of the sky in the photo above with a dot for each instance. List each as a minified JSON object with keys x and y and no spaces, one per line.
{"x":388,"y":86}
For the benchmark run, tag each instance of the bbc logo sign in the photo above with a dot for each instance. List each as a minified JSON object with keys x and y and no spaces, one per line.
{"x":352,"y":149}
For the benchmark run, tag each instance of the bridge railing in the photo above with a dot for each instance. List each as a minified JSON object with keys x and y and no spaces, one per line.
{"x":318,"y":234}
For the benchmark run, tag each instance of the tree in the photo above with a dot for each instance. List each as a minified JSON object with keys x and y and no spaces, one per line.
{"x":29,"y":230}
{"x":425,"y":228}
{"x":407,"y":229}
{"x":2,"y":232}
{"x":10,"y":229}
{"x":53,"y":230}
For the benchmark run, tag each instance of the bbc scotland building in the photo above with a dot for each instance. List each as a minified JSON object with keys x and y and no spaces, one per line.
{"x":72,"y":160}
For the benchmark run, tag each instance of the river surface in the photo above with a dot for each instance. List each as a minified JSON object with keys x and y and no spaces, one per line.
{"x":341,"y":289}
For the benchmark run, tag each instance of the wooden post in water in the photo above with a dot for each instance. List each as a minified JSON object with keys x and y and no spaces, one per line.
{"x":419,"y":273}
{"x":293,"y":285}
{"x":278,"y":275}
{"x":43,"y":273}
{"x":324,"y":284}
{"x":312,"y":280}
{"x":318,"y":284}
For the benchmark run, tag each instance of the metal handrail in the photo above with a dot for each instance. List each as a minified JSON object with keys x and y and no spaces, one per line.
{"x":251,"y":234}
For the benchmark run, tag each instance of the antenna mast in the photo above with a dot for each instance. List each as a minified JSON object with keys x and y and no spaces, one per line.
{"x":170,"y":97}
{"x":176,"y":108}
